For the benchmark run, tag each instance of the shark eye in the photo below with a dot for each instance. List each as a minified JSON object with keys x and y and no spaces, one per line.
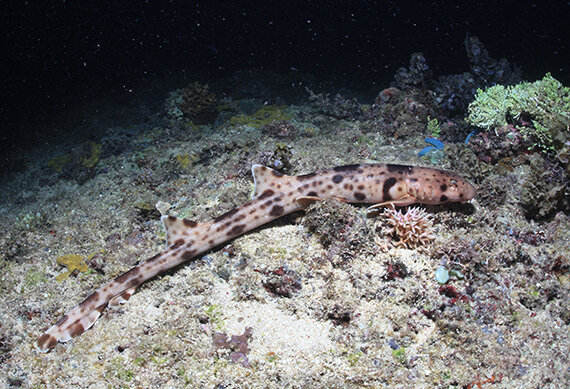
{"x":453,"y":182}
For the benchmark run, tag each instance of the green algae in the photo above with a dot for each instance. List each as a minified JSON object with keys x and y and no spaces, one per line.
{"x":400,"y":355}
{"x":262,"y":117}
{"x":186,"y":160}
{"x":57,"y":163}
{"x":214,"y":313}
{"x":33,"y":278}
{"x":72,"y":262}
{"x":92,"y":158}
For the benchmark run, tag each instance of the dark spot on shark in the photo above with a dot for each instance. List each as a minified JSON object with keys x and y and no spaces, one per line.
{"x":306,"y":176}
{"x":189,"y":223}
{"x":76,"y":329}
{"x":236,"y":230}
{"x":93,"y":297}
{"x":443,"y":198}
{"x":229,"y":213}
{"x":266,"y":193}
{"x":337,"y":178}
{"x":359,"y":196}
{"x":346,"y":168}
{"x":276,"y":173}
{"x":188,"y":254}
{"x":398,"y":168}
{"x":46,"y":342}
{"x":443,"y":187}
{"x":388,"y":184}
{"x":177,"y":243}
{"x":312,"y":193}
{"x":276,"y":211}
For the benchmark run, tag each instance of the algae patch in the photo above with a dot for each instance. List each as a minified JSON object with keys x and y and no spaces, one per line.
{"x":72,"y":262}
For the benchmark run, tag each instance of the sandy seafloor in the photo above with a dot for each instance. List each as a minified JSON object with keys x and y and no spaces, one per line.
{"x":347,"y":309}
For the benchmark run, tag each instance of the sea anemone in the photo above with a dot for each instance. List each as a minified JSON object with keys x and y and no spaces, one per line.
{"x":411,"y":229}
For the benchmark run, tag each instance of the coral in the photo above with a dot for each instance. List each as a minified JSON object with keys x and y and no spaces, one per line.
{"x":278,"y":159}
{"x":263,"y":117}
{"x":454,"y":92}
{"x":540,"y":110}
{"x":281,"y":282}
{"x":433,"y":127}
{"x":411,"y":229}
{"x":72,"y":262}
{"x":401,"y":114}
{"x":194,"y":103}
{"x":505,"y":141}
{"x":489,"y":70}
{"x":342,"y":231}
{"x":415,"y":75}
{"x":339,"y":107}
{"x":544,"y":189}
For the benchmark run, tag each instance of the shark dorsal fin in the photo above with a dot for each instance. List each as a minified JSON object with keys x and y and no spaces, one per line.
{"x":177,"y":229}
{"x":263,"y":177}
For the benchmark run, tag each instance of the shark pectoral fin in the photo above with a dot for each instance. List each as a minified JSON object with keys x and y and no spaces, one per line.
{"x":401,"y":202}
{"x":341,"y":199}
{"x":122,"y":298}
{"x":305,"y":201}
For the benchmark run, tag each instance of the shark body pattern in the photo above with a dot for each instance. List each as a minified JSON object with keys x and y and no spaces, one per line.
{"x":275,"y":195}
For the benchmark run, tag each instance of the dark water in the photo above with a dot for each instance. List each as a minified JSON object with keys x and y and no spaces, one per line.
{"x":59,"y":54}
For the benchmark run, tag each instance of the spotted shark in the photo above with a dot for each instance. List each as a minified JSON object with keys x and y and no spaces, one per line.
{"x":275,"y":195}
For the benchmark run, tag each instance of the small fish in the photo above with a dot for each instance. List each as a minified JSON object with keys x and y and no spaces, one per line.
{"x":275,"y":195}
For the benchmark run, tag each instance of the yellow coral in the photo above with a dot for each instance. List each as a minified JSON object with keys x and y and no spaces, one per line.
{"x":72,"y":262}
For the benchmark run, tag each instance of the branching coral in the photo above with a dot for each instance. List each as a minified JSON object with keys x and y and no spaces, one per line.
{"x":539,"y":109}
{"x":412,"y":229}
